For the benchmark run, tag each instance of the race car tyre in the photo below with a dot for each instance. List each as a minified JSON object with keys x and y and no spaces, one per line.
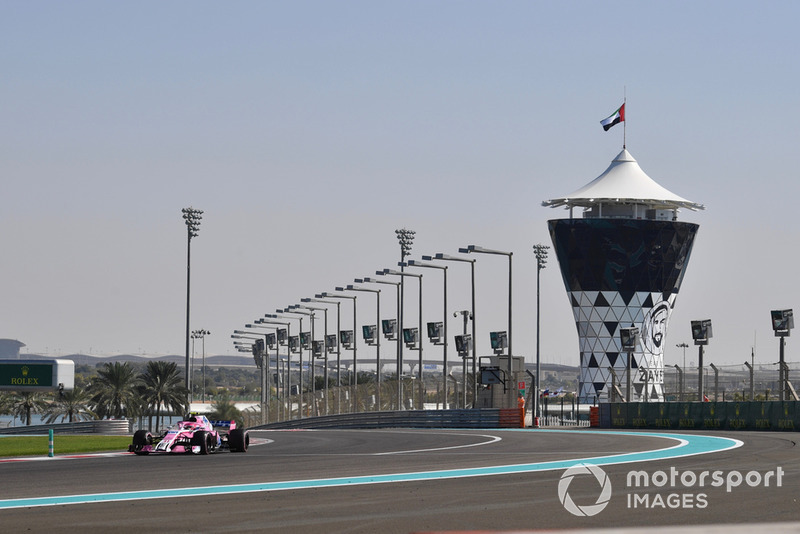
{"x":140,"y":439}
{"x":238,"y":440}
{"x":200,"y":439}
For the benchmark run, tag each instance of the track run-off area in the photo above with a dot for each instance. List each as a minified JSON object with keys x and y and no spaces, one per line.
{"x":407,"y":480}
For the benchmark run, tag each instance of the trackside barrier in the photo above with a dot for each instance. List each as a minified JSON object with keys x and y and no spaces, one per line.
{"x":483,"y":418}
{"x":594,"y":416}
{"x":109,"y":427}
{"x":752,"y":415}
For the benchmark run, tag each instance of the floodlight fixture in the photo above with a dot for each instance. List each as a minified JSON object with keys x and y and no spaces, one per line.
{"x":389,"y":328}
{"x":192,"y":218}
{"x":330,"y":342}
{"x":540,"y":251}
{"x":464,"y":345}
{"x":448,"y":257}
{"x":346,"y":338}
{"x":498,"y":341}
{"x":411,"y":338}
{"x":282,"y":333}
{"x":782,"y":322}
{"x":435,"y":332}
{"x":406,"y":239}
{"x":629,"y":338}
{"x":397,"y":273}
{"x":368,"y":331}
{"x":305,"y":340}
{"x":281,"y":336}
{"x":701,"y":331}
{"x":258,"y":348}
{"x":240,"y":336}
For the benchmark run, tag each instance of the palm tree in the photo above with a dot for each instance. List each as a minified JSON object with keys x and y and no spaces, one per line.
{"x":71,"y":405}
{"x":161,"y":386}
{"x":26,"y":403}
{"x":5,"y":403}
{"x":114,"y":391}
{"x":225,"y":410}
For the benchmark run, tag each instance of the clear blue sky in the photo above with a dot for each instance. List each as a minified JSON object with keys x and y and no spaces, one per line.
{"x":309,"y":131}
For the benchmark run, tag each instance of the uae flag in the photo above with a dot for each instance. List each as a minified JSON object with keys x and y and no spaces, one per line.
{"x":615,"y":118}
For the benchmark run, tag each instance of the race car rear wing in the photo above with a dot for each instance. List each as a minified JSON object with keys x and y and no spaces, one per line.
{"x":230,"y":425}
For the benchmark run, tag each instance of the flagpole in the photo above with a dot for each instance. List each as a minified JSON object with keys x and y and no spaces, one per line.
{"x":625,"y":122}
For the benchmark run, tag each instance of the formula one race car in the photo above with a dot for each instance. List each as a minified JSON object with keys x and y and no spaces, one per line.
{"x":196,"y":434}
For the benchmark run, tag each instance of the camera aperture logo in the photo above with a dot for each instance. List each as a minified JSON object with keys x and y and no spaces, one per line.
{"x":583,"y":470}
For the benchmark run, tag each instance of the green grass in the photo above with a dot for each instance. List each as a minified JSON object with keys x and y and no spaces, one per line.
{"x":39,"y":446}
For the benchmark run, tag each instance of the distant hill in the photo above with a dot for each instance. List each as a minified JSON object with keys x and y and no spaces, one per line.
{"x":85,"y":359}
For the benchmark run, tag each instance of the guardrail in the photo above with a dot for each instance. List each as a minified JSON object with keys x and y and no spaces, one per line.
{"x":110,"y":427}
{"x":482,"y":418}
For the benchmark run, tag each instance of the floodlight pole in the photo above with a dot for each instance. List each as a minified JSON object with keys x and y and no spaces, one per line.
{"x":466,"y":315}
{"x":782,"y":371}
{"x":405,"y":238}
{"x":700,"y":395}
{"x":287,"y":385}
{"x":192,"y":217}
{"x":752,"y":383}
{"x":541,"y":260}
{"x":377,"y":332}
{"x":263,"y":368}
{"x":265,"y":387}
{"x":628,"y":377}
{"x":716,"y":381}
{"x":680,"y":381}
{"x":474,"y":248}
{"x":338,"y":345}
{"x":443,"y":268}
{"x":355,"y":336}
{"x":354,"y":375}
{"x":324,"y":352}
{"x":300,"y":358}
{"x":446,"y":257}
{"x":402,"y":275}
{"x":310,"y":314}
{"x":201,"y":334}
{"x":683,"y":346}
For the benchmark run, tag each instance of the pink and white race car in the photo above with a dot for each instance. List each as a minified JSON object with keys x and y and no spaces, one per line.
{"x":196,"y":435}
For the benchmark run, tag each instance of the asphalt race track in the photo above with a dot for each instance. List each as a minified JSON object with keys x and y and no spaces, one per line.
{"x":399,"y":480}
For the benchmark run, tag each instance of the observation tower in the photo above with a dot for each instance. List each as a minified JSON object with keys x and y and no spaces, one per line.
{"x":622,"y":262}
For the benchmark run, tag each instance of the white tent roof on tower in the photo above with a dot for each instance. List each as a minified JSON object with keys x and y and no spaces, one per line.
{"x":624,"y":182}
